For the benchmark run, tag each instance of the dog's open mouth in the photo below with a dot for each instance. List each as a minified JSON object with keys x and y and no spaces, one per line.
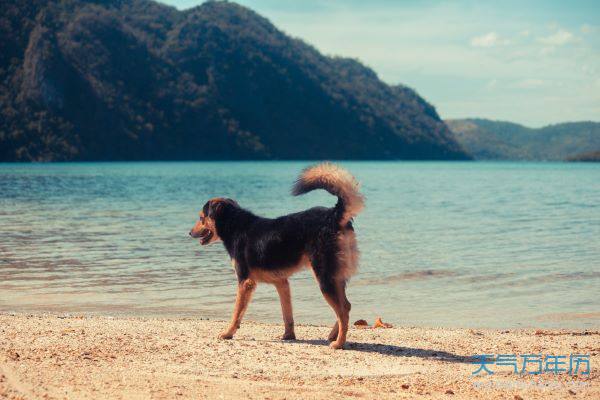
{"x":205,"y":236}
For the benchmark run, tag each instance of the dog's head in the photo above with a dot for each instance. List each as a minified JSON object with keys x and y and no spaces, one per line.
{"x":205,"y":228}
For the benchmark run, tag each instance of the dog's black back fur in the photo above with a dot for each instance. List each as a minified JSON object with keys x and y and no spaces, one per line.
{"x":280,"y":243}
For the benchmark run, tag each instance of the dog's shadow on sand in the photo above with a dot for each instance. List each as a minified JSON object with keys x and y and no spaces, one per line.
{"x":391,"y":350}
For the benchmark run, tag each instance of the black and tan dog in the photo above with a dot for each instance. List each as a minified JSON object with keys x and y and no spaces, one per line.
{"x":270,"y":250}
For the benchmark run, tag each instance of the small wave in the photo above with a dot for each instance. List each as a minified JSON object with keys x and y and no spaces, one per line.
{"x":406,"y":276}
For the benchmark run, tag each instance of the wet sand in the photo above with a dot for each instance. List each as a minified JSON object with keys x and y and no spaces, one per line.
{"x":58,"y":357}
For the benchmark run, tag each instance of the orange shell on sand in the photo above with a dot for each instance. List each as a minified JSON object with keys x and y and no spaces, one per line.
{"x":361,"y":323}
{"x":380,"y":324}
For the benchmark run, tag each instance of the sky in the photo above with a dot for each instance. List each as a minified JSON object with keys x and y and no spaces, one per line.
{"x":531,"y":62}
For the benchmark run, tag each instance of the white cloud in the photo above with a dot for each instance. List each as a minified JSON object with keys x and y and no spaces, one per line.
{"x":588,"y":69}
{"x":490,"y":39}
{"x":561,"y":37}
{"x":545,"y":51}
{"x":530,"y":83}
{"x":492,"y":83}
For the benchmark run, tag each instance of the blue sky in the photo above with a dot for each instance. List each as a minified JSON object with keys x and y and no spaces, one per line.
{"x":531,"y":62}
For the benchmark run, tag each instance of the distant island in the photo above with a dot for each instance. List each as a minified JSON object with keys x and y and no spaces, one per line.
{"x":592,"y":156}
{"x":138,"y":80}
{"x":500,"y":140}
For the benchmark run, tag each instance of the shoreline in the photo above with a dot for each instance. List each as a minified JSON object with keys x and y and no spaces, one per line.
{"x":96,"y":357}
{"x":543,"y":321}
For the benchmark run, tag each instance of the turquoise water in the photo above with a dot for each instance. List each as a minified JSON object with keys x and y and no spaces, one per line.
{"x":443,"y":244}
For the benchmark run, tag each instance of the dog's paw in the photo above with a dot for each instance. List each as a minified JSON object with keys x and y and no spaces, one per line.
{"x":289,"y":336}
{"x":337,"y":345}
{"x":225,"y":335}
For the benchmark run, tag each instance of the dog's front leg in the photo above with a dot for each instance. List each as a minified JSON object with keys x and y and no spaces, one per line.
{"x":285,"y":297}
{"x":244,"y":294}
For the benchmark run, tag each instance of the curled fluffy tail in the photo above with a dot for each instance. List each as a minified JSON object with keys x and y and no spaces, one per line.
{"x":336,"y":181}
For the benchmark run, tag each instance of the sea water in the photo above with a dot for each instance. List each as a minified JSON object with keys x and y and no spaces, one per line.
{"x":475,"y":244}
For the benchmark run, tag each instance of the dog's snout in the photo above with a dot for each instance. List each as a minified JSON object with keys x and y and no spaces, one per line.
{"x":190,"y":233}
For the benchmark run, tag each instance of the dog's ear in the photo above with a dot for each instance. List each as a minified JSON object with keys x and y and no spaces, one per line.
{"x":215,"y":207}
{"x":218,"y":206}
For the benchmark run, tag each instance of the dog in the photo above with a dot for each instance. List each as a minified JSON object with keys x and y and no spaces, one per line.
{"x":271,"y":250}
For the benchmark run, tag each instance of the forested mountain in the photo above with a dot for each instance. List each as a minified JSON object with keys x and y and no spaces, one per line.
{"x":138,"y":80}
{"x":499,"y":140}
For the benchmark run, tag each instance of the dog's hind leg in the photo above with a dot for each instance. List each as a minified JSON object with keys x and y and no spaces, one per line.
{"x":283,"y":288}
{"x":244,"y":294}
{"x":335,"y":294}
{"x":333,"y":335}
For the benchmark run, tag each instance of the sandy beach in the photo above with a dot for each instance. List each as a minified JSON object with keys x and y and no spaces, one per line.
{"x":81,"y":357}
